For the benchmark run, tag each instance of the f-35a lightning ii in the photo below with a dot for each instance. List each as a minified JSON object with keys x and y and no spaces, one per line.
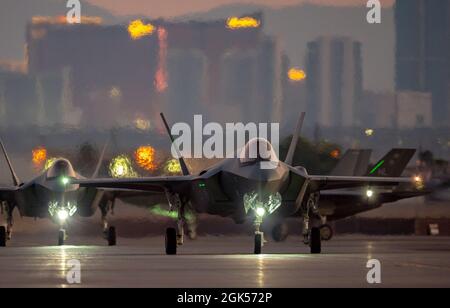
{"x":242,"y":189}
{"x":53,"y":195}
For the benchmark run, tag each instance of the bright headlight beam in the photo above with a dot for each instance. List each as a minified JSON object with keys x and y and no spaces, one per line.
{"x":260,"y":211}
{"x":65,"y":180}
{"x":63,"y":214}
{"x":369,"y":193}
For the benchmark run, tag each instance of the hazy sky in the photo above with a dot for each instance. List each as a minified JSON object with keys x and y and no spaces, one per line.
{"x":168,"y":8}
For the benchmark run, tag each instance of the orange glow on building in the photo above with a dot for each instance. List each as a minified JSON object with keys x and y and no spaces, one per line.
{"x":39,"y":156}
{"x":242,"y":22}
{"x":296,"y":74}
{"x":145,"y":158}
{"x":62,"y":20}
{"x":335,"y":154}
{"x":161,"y":73}
{"x":137,"y":29}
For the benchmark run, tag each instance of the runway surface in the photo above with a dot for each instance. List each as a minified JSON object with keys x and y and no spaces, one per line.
{"x":227,"y":262}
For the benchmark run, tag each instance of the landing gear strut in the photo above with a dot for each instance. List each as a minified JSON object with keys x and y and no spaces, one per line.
{"x":259,"y":235}
{"x":6,"y":232}
{"x":312,"y":234}
{"x":62,"y":236}
{"x":109,"y":232}
{"x":175,"y":236}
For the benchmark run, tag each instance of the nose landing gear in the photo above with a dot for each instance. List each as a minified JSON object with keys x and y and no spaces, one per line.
{"x":259,"y":235}
{"x":62,"y":236}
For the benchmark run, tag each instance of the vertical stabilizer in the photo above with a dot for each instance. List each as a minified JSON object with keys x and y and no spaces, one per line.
{"x":183,"y":165}
{"x":293,"y":146}
{"x":15,"y":179}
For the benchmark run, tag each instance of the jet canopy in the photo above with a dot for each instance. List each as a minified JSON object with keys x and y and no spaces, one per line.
{"x":256,"y":150}
{"x":61,"y":168}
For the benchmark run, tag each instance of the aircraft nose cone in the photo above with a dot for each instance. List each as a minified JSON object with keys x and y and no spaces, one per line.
{"x":261,"y":174}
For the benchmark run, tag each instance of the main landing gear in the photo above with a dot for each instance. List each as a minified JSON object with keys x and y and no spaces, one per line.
{"x":109,"y":232}
{"x":311,"y":232}
{"x":6,"y":232}
{"x":175,"y":236}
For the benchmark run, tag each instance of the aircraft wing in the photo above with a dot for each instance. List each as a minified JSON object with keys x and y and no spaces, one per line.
{"x":382,"y":196}
{"x":152,"y":184}
{"x":6,"y":192}
{"x":320,"y":182}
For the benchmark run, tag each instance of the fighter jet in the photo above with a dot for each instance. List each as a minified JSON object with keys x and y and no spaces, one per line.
{"x":343,"y":203}
{"x":241,"y":188}
{"x":52,"y":195}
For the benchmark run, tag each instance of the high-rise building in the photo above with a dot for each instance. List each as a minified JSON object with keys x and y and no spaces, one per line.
{"x":334,"y":83}
{"x":423,"y":52}
{"x":227,"y":70}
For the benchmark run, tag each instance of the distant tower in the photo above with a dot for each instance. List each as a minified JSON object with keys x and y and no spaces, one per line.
{"x":334,"y":83}
{"x":422,"y":52}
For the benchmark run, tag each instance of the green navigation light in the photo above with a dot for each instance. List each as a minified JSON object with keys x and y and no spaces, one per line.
{"x":377,"y":166}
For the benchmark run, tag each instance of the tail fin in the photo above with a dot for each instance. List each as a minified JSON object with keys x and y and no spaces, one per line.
{"x":352,"y":163}
{"x":393,"y":163}
{"x":11,"y":168}
{"x":183,"y":165}
{"x":293,"y":146}
{"x":100,"y":161}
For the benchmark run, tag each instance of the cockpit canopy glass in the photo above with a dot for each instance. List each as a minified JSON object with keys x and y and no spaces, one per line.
{"x":256,"y":150}
{"x":61,"y":168}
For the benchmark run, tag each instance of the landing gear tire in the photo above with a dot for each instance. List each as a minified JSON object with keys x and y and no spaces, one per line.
{"x":315,"y":241}
{"x":171,"y":241}
{"x":112,"y":236}
{"x":280,"y":232}
{"x":2,"y":236}
{"x":258,"y":243}
{"x":326,"y":232}
{"x":61,"y":237}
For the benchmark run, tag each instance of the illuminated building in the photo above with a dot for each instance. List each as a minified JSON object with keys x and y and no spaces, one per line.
{"x":224,"y":68}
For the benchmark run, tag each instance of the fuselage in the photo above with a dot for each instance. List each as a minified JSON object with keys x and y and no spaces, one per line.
{"x":53,"y":188}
